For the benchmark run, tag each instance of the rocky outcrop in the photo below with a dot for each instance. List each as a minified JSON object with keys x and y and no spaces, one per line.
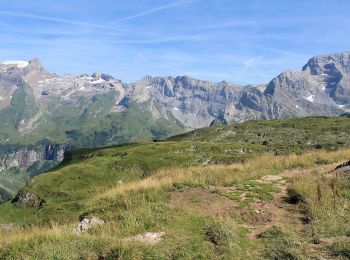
{"x":28,"y":199}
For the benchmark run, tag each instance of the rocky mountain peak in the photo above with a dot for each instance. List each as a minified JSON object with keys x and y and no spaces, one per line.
{"x":103,"y":76}
{"x":323,"y":87}
{"x":35,"y":65}
{"x":324,"y":64}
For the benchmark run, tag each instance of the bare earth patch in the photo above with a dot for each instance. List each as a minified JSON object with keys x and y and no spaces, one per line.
{"x":203,"y":202}
{"x":265,"y":214}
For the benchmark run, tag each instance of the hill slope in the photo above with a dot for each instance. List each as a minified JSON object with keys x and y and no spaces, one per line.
{"x":278,"y":135}
{"x":205,"y":198}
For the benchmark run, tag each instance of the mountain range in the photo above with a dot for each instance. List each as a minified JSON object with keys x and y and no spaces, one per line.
{"x":42,"y":114}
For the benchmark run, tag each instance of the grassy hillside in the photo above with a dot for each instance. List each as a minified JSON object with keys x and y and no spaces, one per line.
{"x":87,"y":124}
{"x":227,"y":199}
{"x":298,"y":134}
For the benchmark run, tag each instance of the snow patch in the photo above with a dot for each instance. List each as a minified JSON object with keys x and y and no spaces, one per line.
{"x":1,"y":98}
{"x":149,"y":87}
{"x":175,"y":108}
{"x":86,"y":78}
{"x":169,"y":82}
{"x":82,"y":88}
{"x":310,"y":98}
{"x":19,"y":63}
{"x":296,"y":106}
{"x":99,"y":81}
{"x":341,"y":106}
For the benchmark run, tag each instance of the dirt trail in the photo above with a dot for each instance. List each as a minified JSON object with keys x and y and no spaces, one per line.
{"x":278,"y":211}
{"x":260,"y":214}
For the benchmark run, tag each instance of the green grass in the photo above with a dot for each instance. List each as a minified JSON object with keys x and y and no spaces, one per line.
{"x":251,"y":191}
{"x":326,"y":201}
{"x":90,"y":171}
{"x":279,"y":244}
{"x":71,"y":192}
{"x":279,"y":136}
{"x":135,"y":124}
{"x":341,"y":249}
{"x":130,"y":187}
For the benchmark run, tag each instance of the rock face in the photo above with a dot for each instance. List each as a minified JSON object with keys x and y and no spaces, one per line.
{"x":17,"y":159}
{"x":335,"y":69}
{"x":25,"y":156}
{"x":37,"y":106}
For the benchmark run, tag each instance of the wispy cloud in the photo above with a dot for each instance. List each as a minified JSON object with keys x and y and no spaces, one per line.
{"x":238,"y":41}
{"x":153,"y":10}
{"x":58,"y":20}
{"x":5,"y":25}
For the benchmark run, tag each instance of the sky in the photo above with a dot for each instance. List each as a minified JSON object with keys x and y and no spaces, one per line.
{"x":244,"y":42}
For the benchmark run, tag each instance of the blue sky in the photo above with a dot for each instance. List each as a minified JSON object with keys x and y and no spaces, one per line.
{"x":238,"y":41}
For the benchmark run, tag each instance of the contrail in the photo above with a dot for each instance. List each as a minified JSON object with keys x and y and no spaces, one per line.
{"x":58,"y":20}
{"x":153,"y":10}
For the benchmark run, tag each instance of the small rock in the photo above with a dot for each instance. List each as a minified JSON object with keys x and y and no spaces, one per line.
{"x":96,"y":221}
{"x":149,"y":237}
{"x":87,"y":224}
{"x":7,"y":227}
{"x":206,"y":162}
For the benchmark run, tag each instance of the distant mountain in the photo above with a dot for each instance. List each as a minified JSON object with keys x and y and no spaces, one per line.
{"x":43,"y":114}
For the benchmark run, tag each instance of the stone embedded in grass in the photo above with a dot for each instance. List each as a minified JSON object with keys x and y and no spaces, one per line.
{"x":87,"y":224}
{"x":7,"y":227}
{"x":148,"y":237}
